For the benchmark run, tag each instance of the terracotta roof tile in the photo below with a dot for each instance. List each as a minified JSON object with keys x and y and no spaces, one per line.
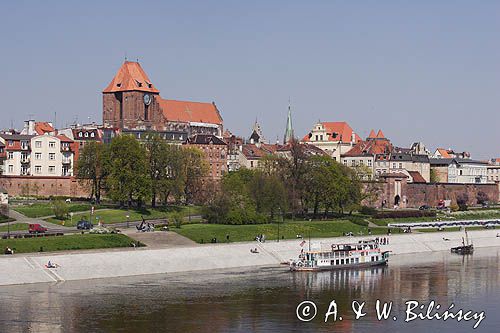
{"x":417,"y":177}
{"x":444,"y":153}
{"x":342,"y":130}
{"x":129,"y":77}
{"x":63,"y":138}
{"x":43,"y":127}
{"x":184,"y":111}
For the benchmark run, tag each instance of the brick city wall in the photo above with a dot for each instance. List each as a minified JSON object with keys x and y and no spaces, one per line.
{"x":42,"y":186}
{"x":417,"y":195}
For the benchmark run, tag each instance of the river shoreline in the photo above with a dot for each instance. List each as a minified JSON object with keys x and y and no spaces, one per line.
{"x":30,"y":268}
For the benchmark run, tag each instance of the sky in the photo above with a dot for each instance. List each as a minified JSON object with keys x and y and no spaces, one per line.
{"x":424,"y":71}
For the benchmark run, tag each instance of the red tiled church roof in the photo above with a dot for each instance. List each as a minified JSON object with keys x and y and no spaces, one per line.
{"x":184,"y":111}
{"x":130,"y":76}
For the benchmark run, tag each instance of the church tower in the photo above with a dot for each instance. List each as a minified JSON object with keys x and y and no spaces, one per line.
{"x":131,"y":101}
{"x":289,"y":136}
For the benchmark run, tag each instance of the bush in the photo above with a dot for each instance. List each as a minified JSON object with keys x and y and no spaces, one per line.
{"x":454,"y":207}
{"x":177,"y":217}
{"x":462,"y":200}
{"x":60,"y":209}
{"x":482,"y":198}
{"x":358,"y":220}
{"x":404,"y":214}
{"x":366,"y":210}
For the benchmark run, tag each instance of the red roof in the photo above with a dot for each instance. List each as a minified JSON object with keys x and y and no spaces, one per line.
{"x":184,"y":111}
{"x":370,"y":147}
{"x":129,"y":77}
{"x":380,"y":134}
{"x":43,"y":127}
{"x":417,"y":177}
{"x":63,"y":138}
{"x":444,"y":153}
{"x":372,"y":134}
{"x":338,"y":131}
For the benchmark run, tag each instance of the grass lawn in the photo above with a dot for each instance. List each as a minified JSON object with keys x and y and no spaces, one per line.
{"x":13,"y":227}
{"x":45,"y":209}
{"x":69,"y":242}
{"x":4,"y":219}
{"x":109,"y":216}
{"x":241,"y":233}
{"x":465,"y":215}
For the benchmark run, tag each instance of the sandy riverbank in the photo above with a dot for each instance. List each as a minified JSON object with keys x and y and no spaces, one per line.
{"x":107,"y":264}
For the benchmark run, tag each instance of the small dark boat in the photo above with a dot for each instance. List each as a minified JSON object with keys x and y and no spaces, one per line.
{"x":465,"y":248}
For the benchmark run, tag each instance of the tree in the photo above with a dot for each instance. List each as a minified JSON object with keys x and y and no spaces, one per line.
{"x":433,"y":176}
{"x":91,"y":169}
{"x":194,"y":168}
{"x":60,"y":209}
{"x":462,"y":201}
{"x":162,"y":166}
{"x":268,"y":192}
{"x":128,"y":180}
{"x":293,"y":169}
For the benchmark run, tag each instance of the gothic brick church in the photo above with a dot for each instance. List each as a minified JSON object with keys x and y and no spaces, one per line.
{"x":132,"y":104}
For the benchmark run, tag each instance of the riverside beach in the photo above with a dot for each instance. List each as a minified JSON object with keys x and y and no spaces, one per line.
{"x":30,"y":268}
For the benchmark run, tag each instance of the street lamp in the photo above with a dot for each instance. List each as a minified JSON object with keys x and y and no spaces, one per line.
{"x":128,"y":217}
{"x":279,"y":210}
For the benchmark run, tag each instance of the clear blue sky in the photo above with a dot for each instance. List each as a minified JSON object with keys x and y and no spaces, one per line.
{"x":420,"y":70}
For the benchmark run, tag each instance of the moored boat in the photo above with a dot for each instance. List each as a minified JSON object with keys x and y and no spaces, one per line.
{"x":341,"y":256}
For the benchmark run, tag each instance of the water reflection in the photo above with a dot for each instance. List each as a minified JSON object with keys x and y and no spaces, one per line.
{"x":261,"y":299}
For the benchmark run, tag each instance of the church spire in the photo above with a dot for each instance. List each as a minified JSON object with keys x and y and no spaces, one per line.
{"x":289,"y":127}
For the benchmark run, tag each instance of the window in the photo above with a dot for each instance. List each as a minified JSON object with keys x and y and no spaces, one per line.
{"x":11,"y":168}
{"x":11,"y":143}
{"x":80,"y":134}
{"x":369,"y":163}
{"x":52,"y":144}
{"x":251,"y":164}
{"x":38,"y":144}
{"x":11,"y":155}
{"x":52,"y":169}
{"x":86,"y":134}
{"x":345,"y":162}
{"x":361,"y":162}
{"x":92,"y":134}
{"x":38,"y":169}
{"x":401,"y":165}
{"x":52,"y":156}
{"x":38,"y":156}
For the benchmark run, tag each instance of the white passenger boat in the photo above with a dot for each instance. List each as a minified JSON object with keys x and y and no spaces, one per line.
{"x":339,"y":256}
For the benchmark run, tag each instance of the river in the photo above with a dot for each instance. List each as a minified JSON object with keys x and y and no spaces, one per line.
{"x":263,"y":299}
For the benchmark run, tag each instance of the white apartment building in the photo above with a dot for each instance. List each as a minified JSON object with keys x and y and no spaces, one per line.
{"x":457,"y":170}
{"x":37,"y":155}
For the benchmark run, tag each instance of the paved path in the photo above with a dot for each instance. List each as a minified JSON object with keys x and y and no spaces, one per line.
{"x":159,"y":239}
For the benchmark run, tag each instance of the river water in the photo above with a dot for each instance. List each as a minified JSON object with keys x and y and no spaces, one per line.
{"x":264,"y":299}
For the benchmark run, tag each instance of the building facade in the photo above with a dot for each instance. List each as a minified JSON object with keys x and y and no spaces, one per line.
{"x":132,"y":104}
{"x":37,"y":155}
{"x":334,"y":138}
{"x":458,"y":170}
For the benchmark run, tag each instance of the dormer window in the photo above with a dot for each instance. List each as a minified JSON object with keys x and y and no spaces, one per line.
{"x":139,"y":84}
{"x":80,"y":134}
{"x":86,"y":134}
{"x":118,"y":85}
{"x":92,"y":134}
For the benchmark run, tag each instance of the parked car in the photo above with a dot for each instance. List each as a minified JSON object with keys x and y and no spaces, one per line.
{"x":84,"y":225}
{"x":424,"y":207}
{"x":36,"y":228}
